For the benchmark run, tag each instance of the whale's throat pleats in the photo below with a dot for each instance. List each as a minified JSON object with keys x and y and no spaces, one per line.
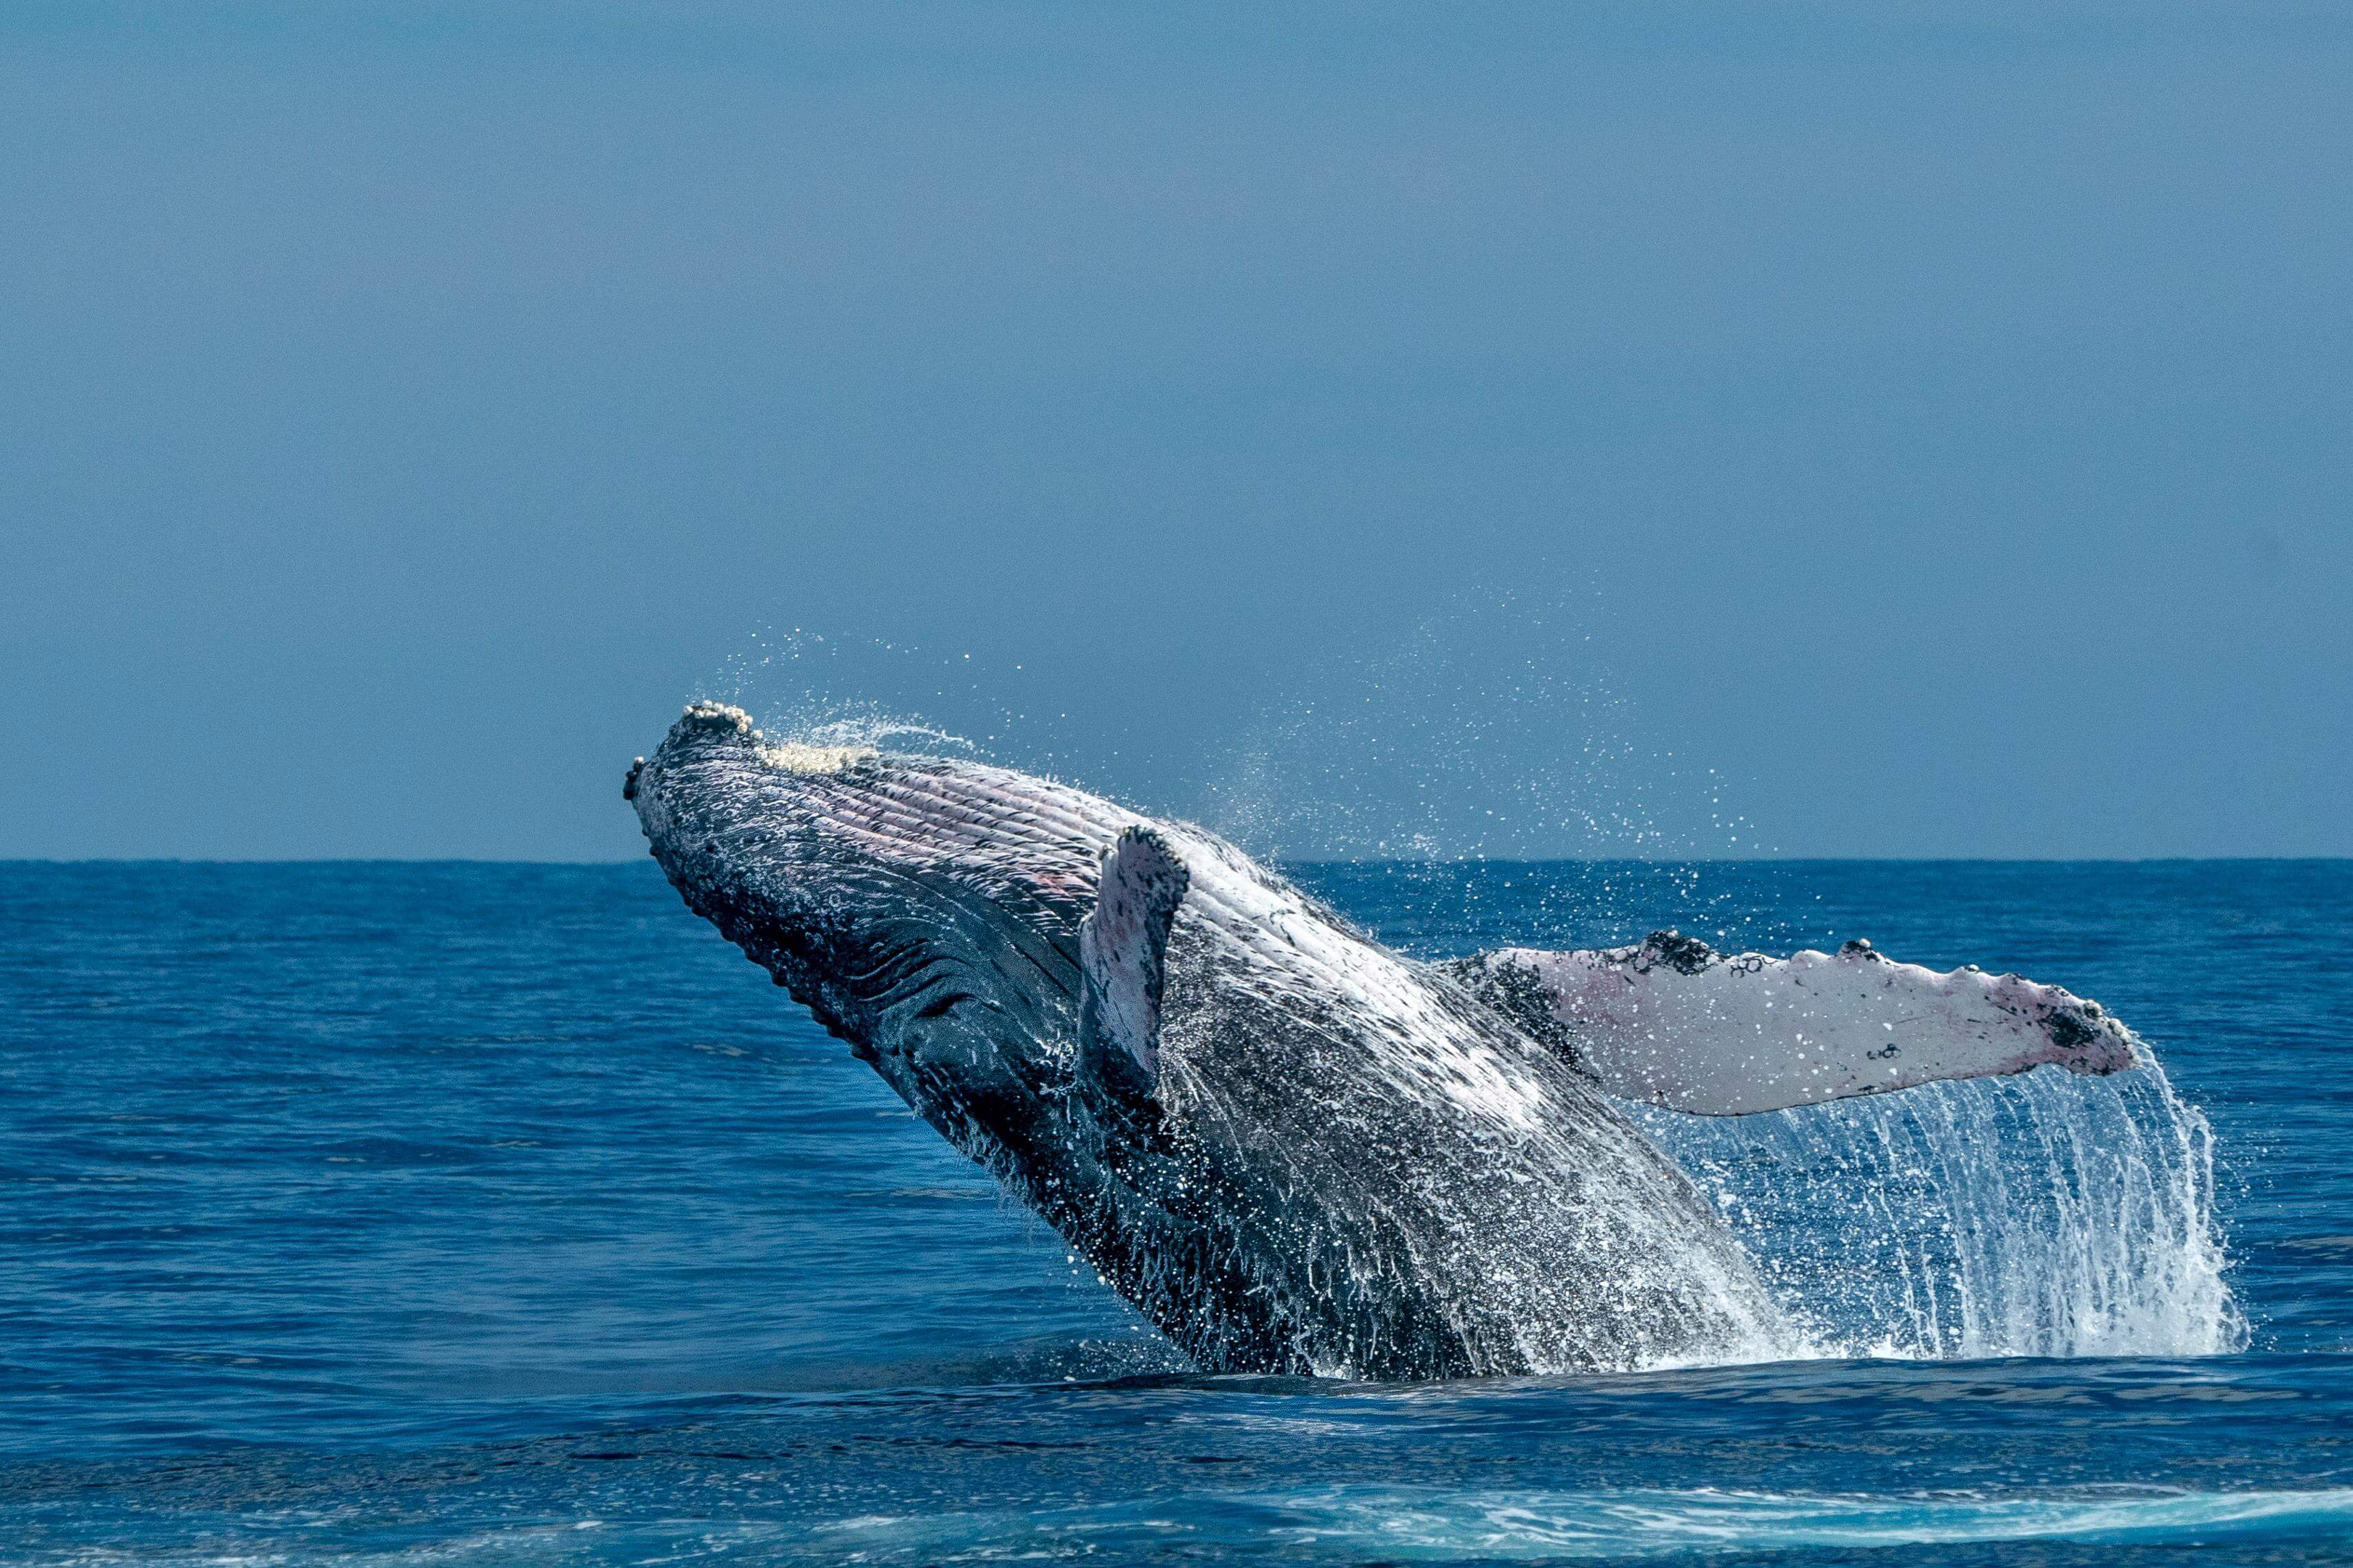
{"x":1123,"y":963}
{"x":1670,"y":1022}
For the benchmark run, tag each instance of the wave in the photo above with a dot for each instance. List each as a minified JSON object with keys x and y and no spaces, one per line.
{"x":1415,"y":1524}
{"x":1397,"y":1524}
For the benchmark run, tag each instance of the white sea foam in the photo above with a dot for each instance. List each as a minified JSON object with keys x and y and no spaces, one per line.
{"x":1402,"y":1523}
{"x":1352,"y":1522}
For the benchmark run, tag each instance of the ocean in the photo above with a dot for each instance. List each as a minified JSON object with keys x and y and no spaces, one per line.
{"x":454,"y":1213}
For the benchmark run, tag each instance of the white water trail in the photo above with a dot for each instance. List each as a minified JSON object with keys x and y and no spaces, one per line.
{"x":2046,"y":1215}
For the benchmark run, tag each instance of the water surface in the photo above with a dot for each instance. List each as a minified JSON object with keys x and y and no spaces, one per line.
{"x":446,"y":1213}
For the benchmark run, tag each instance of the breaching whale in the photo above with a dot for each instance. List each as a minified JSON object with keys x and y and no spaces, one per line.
{"x":1290,"y":1148}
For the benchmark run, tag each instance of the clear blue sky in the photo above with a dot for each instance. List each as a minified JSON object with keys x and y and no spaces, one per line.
{"x":1935,"y":418}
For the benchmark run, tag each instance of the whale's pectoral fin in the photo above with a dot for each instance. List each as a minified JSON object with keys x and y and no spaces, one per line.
{"x":1124,"y":962}
{"x":1671,"y":1022}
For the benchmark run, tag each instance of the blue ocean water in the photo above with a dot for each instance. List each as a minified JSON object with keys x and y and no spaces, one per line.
{"x":406,"y":1214}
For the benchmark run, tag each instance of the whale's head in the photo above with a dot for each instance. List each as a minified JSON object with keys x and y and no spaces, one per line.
{"x":926,"y":909}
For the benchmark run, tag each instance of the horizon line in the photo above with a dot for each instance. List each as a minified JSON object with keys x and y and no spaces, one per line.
{"x":135,"y":860}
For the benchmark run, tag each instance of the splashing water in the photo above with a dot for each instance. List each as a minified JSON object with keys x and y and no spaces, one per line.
{"x":2041,"y":1215}
{"x":1488,"y":729}
{"x":796,"y":683}
{"x":2046,"y":1215}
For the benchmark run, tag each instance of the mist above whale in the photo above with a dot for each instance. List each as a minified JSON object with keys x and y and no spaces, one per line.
{"x":1290,"y":1148}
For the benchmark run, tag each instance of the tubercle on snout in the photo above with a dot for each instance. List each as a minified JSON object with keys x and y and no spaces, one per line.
{"x":701,"y":720}
{"x":707,"y":723}
{"x":721,"y":718}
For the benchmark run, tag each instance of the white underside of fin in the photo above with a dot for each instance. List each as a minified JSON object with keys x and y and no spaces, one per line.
{"x":1670,"y":1023}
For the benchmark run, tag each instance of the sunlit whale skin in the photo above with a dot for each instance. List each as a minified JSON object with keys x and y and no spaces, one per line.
{"x":1289,"y":1148}
{"x":1670,"y":1022}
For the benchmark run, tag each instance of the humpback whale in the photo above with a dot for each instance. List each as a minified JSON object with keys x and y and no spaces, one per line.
{"x":1291,"y":1149}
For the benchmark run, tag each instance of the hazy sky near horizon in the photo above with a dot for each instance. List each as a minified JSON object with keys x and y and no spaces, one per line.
{"x":1824,"y":429}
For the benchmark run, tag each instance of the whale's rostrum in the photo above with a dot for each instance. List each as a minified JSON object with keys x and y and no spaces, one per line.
{"x":1291,"y":1149}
